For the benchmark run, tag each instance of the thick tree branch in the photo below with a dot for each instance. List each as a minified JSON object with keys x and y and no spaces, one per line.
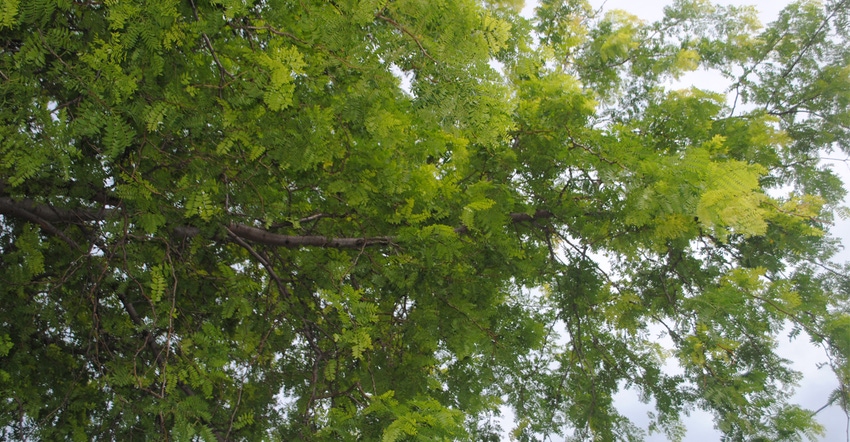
{"x":21,"y":212}
{"x":294,"y":241}
{"x":9,"y":206}
{"x":27,"y":208}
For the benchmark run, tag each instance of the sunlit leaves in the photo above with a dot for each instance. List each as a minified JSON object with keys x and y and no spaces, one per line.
{"x":8,"y":11}
{"x":423,"y":419}
{"x":562,"y":24}
{"x":282,"y":65}
{"x":731,"y":199}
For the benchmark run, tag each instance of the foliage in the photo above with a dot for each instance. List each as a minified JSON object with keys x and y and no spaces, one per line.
{"x":391,"y":219}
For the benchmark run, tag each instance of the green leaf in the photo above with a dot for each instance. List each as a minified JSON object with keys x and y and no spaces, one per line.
{"x":394,"y":220}
{"x":8,"y":11}
{"x":158,"y":283}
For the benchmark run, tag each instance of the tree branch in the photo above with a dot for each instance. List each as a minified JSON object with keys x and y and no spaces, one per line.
{"x":406,"y":31}
{"x":9,"y":206}
{"x":209,"y":46}
{"x":150,"y":342}
{"x":25,"y":208}
{"x":293,"y":241}
{"x":46,"y":225}
{"x":265,"y":262}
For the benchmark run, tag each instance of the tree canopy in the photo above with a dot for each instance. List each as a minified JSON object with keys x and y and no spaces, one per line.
{"x":392,"y":220}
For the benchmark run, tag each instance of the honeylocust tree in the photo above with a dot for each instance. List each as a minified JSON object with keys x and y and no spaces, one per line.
{"x":395,"y":219}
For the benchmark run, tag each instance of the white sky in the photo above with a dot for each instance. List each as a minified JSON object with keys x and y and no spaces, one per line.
{"x":817,"y":383}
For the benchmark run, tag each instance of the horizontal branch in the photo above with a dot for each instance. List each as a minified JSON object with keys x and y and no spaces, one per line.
{"x":516,"y":217}
{"x":294,"y":241}
{"x":538,"y":215}
{"x":9,"y":206}
{"x":27,"y":209}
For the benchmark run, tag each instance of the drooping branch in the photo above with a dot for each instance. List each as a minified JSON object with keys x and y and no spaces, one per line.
{"x":281,"y":287}
{"x":156,"y":349}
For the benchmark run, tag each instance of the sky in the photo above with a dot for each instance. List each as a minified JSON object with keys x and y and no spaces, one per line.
{"x":817,"y":383}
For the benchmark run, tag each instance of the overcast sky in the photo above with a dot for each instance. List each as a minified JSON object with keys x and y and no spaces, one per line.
{"x":817,"y":383}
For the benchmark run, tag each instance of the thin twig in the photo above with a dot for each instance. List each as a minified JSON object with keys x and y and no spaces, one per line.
{"x":299,"y":40}
{"x":266,"y":264}
{"x":209,"y":46}
{"x":406,"y":31}
{"x":486,"y":330}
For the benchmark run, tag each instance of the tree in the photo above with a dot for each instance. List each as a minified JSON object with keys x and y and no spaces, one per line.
{"x":362,"y":220}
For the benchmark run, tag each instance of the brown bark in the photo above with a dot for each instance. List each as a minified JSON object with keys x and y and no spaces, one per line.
{"x":29,"y":210}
